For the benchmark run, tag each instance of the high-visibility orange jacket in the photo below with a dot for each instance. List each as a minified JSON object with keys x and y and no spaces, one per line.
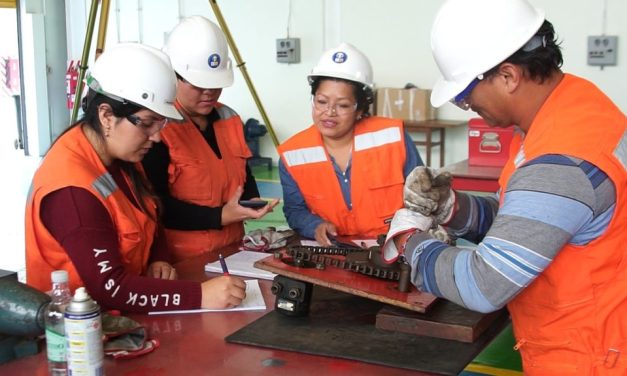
{"x":377,"y":179}
{"x":572,"y":320}
{"x":198,"y":176}
{"x":73,"y":162}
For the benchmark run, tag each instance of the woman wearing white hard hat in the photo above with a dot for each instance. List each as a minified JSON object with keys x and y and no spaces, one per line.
{"x":90,"y":210}
{"x":551,"y":244}
{"x":344,"y":174}
{"x":199,"y":170}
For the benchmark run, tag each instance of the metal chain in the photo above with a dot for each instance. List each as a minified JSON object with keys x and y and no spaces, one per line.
{"x":318,"y":255}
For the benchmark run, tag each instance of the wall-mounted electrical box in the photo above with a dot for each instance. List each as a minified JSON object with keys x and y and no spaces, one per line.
{"x":288,"y":50}
{"x":602,"y":50}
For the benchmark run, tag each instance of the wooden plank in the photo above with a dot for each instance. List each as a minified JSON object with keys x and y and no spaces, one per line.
{"x":353,"y":283}
{"x":444,"y":320}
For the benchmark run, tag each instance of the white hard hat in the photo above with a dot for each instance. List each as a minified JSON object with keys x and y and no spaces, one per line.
{"x":346,"y":62}
{"x":136,"y":73}
{"x":199,"y":53}
{"x":468,"y":38}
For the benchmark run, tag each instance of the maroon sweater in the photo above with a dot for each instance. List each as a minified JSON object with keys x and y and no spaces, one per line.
{"x":80,"y":223}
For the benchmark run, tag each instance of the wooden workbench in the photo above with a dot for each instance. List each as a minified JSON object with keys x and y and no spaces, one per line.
{"x":194,"y":344}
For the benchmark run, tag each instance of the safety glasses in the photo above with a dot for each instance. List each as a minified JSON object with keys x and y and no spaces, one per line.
{"x":461,"y":99}
{"x":322,"y":104}
{"x":149,"y":127}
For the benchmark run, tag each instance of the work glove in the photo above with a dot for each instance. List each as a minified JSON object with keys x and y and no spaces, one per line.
{"x":265,"y":239}
{"x":404,"y":221}
{"x":429,"y":193}
{"x":125,"y":338}
{"x":441,"y":234}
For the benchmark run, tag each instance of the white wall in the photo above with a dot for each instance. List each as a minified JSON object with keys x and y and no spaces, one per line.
{"x":13,"y":194}
{"x":393,"y":33}
{"x":43,"y":64}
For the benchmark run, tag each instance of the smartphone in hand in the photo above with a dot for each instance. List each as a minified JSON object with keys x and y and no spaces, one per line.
{"x":253,"y":204}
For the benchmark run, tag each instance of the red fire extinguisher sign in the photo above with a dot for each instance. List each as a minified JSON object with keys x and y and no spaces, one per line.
{"x":71,"y":81}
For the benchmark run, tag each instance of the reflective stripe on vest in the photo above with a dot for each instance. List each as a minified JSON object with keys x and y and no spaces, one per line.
{"x":376,"y":139}
{"x":303,"y":156}
{"x":621,"y":151}
{"x":362,"y":142}
{"x":225,"y":112}
{"x":105,"y":185}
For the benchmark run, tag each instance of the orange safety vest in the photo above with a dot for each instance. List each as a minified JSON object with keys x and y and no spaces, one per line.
{"x":73,"y":162}
{"x":572,"y":320}
{"x":196,"y":175}
{"x":376,"y":176}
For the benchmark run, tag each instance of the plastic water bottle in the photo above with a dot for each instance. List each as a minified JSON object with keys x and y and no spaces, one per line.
{"x":83,"y":330}
{"x":55,"y":328}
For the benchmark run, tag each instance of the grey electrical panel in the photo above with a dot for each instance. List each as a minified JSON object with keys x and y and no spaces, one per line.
{"x":602,"y":50}
{"x":288,"y":50}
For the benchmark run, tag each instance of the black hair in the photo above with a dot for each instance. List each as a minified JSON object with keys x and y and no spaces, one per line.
{"x":93,"y":100}
{"x":90,"y":104}
{"x":540,"y":62}
{"x":362,"y":93}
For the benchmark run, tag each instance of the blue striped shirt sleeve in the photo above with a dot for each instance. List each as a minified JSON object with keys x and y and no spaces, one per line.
{"x":551,"y":201}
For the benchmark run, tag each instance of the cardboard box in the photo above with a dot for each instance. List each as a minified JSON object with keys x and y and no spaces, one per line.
{"x":488,"y":146}
{"x":405,"y":104}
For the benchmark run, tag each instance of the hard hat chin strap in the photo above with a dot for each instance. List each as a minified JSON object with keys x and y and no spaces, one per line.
{"x":535,"y":42}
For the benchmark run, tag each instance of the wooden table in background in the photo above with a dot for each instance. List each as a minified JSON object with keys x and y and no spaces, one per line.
{"x":428,"y":127}
{"x":474,"y":178}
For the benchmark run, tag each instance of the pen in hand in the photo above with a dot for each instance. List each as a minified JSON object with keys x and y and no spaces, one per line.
{"x":225,"y":270}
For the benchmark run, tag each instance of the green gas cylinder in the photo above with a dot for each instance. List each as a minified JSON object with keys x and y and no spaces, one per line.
{"x":21,"y":309}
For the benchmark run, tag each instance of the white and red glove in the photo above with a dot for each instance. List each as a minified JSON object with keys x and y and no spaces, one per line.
{"x":265,"y":239}
{"x":404,"y":221}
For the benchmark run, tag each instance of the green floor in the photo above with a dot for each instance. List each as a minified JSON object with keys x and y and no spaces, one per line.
{"x":500,"y":355}
{"x":273,"y":219}
{"x":261,"y":173}
{"x":498,"y":359}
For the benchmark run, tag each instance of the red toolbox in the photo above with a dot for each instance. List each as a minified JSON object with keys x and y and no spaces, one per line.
{"x":488,"y":146}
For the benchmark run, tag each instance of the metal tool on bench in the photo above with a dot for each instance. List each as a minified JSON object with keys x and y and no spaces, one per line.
{"x":293,"y":297}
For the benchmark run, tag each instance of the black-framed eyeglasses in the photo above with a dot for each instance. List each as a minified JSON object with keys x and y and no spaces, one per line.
{"x":149,"y":127}
{"x":461,"y":99}
{"x":323,"y":104}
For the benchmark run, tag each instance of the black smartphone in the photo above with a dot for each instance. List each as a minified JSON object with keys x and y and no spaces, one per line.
{"x":344,"y":244}
{"x":253,"y":204}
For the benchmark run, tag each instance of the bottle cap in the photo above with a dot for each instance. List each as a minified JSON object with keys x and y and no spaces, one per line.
{"x":59,"y":276}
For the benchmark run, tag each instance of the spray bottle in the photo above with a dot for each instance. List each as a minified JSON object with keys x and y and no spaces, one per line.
{"x":83,"y":330}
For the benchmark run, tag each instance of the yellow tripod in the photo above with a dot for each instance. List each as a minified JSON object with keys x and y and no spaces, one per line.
{"x":242,"y":66}
{"x":102,"y":31}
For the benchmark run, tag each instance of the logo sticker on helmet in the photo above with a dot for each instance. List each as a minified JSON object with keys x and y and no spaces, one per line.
{"x":214,"y":61}
{"x":339,"y":57}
